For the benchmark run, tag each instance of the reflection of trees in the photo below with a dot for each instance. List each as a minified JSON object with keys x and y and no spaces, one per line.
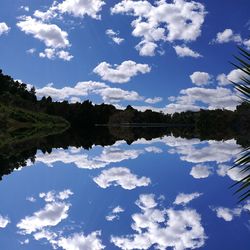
{"x":17,"y":153}
{"x":244,"y":88}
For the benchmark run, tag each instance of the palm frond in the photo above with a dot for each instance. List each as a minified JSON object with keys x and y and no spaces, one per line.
{"x":244,"y":160}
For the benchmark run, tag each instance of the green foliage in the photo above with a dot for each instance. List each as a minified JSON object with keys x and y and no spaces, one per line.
{"x":14,"y":121}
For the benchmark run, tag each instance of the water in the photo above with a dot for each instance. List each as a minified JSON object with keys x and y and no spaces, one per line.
{"x":163,"y":193}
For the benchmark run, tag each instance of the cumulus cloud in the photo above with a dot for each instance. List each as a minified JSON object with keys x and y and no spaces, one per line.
{"x":4,"y":221}
{"x":54,"y":211}
{"x":31,"y":199}
{"x":217,"y":151}
{"x":41,"y":225}
{"x":31,"y":51}
{"x":227,"y":214}
{"x":235,"y":173}
{"x":50,"y":34}
{"x":153,"y":100}
{"x":233,"y":76}
{"x":117,"y":95}
{"x":200,"y":78}
{"x":201,"y":171}
{"x":81,"y":159}
{"x":121,"y":73}
{"x":164,"y":21}
{"x":116,"y":154}
{"x":211,"y":98}
{"x":53,"y":53}
{"x":25,"y":8}
{"x":184,"y":51}
{"x":76,"y":8}
{"x":120,"y":176}
{"x":114,"y":213}
{"x":114,"y":36}
{"x":80,"y":8}
{"x":51,"y":215}
{"x":162,"y":228}
{"x":83,"y":89}
{"x":183,"y":199}
{"x":80,"y":241}
{"x":54,"y":38}
{"x":228,"y":35}
{"x":4,"y":29}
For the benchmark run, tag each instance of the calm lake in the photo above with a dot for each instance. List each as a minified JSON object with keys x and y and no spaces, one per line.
{"x":163,"y":193}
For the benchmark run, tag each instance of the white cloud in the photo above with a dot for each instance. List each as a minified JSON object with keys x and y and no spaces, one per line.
{"x":200,"y":78}
{"x":162,"y":228}
{"x":80,"y":8}
{"x":114,"y":213}
{"x":52,"y":196}
{"x":81,"y":159}
{"x":50,"y":34}
{"x":226,"y":213}
{"x":154,"y":149}
{"x":212,"y":98}
{"x":48,"y":53}
{"x":51,"y":215}
{"x":65,"y":55}
{"x":217,"y":151}
{"x":53,"y":53}
{"x":41,"y":225}
{"x":200,"y":171}
{"x":4,"y":29}
{"x":25,"y":8}
{"x":25,"y":242}
{"x":31,"y":51}
{"x":116,"y":154}
{"x":54,"y":38}
{"x":153,"y":100}
{"x":114,"y":36}
{"x":146,"y":48}
{"x":116,"y":95}
{"x":233,"y":76}
{"x":76,"y":8}
{"x":235,"y":173}
{"x":121,"y":73}
{"x":4,"y":221}
{"x":227,"y":36}
{"x":111,"y":217}
{"x":78,"y":241}
{"x":184,"y":51}
{"x":118,"y":209}
{"x":246,"y":42}
{"x":120,"y":176}
{"x":183,"y":199}
{"x":31,"y":199}
{"x":164,"y":21}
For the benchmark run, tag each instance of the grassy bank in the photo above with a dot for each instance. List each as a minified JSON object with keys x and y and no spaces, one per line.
{"x":17,"y":125}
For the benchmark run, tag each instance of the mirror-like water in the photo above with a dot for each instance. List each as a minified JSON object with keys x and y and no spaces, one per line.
{"x":165,"y":193}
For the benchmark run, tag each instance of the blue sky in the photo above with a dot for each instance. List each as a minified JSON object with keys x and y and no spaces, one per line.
{"x":164,"y":55}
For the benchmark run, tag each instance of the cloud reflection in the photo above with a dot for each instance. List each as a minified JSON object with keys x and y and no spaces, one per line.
{"x":162,"y":228}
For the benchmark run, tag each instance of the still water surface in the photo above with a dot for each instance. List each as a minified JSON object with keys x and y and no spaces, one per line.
{"x":166,"y":193}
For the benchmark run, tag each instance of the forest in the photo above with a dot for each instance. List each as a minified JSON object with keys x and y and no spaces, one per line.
{"x":17,"y":96}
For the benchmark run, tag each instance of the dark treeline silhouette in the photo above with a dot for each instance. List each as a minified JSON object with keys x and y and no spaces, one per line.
{"x":86,"y":114}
